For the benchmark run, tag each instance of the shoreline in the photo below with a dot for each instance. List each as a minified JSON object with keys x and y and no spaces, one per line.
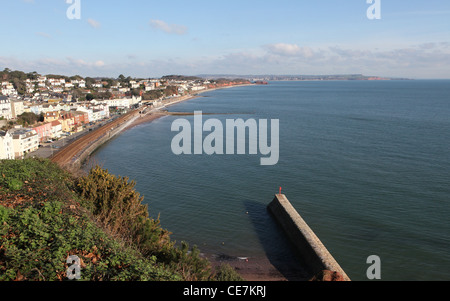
{"x":261,"y":268}
{"x":250,"y":269}
{"x":155,"y":113}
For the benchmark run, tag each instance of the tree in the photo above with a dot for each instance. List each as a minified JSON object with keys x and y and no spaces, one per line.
{"x":135,"y":92}
{"x":32,"y":75}
{"x":89,"y":82}
{"x":29,"y":118}
{"x":89,"y":96}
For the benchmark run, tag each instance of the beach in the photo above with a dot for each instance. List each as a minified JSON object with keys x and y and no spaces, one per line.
{"x":261,"y":268}
{"x":156,"y":113}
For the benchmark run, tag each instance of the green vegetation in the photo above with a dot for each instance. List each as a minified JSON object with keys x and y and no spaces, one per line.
{"x":17,"y":78}
{"x":29,"y":118}
{"x":152,"y":95}
{"x":181,"y":77}
{"x":47,"y":214}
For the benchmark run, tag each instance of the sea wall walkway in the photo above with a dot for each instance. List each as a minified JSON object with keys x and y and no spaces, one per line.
{"x":315,"y":255}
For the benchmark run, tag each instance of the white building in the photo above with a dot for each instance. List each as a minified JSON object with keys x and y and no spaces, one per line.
{"x":149,"y":86}
{"x":124,"y":102}
{"x":198,"y":88}
{"x":82,"y":84}
{"x":8,"y":89}
{"x":56,"y":129}
{"x":36,"y":109}
{"x":6,"y":146}
{"x":17,"y":108}
{"x":57,"y":82}
{"x":24,"y":142}
{"x":89,"y":111}
{"x":120,"y":102}
{"x":101,"y":110}
{"x":5,"y":107}
{"x":30,"y":86}
{"x":134,"y":84}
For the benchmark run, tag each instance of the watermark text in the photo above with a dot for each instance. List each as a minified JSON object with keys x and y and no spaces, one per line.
{"x":374,"y":10}
{"x":74,"y":10}
{"x":235,"y":141}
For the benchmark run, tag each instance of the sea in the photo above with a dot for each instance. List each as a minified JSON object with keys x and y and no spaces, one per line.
{"x":365,"y":163}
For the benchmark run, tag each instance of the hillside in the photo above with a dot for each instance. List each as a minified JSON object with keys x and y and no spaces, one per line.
{"x":48,"y":214}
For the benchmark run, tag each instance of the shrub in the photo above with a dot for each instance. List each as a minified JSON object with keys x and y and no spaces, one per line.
{"x":37,"y":241}
{"x":117,"y":205}
{"x":99,"y":217}
{"x":225,"y":272}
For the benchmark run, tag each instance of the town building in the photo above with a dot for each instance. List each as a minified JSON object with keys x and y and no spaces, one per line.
{"x":5,"y":107}
{"x":17,"y":108}
{"x":8,"y":89}
{"x":44,"y":131}
{"x":56,"y":131}
{"x":24,"y":142}
{"x":6,"y":146}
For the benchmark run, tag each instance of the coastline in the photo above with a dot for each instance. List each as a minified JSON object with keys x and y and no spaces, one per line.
{"x":251,"y":269}
{"x":261,"y":268}
{"x":155,"y":113}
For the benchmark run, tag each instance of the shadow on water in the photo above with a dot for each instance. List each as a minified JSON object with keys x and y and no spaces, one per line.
{"x":279,"y":250}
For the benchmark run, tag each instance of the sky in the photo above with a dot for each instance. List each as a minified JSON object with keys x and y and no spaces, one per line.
{"x":146,"y":38}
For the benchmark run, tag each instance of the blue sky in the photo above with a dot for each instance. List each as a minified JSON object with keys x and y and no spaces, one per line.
{"x":155,"y":38}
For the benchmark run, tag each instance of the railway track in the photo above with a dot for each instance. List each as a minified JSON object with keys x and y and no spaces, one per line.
{"x":70,"y":151}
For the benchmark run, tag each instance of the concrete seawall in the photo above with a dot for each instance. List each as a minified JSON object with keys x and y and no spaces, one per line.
{"x":82,"y":156}
{"x":312,"y":251}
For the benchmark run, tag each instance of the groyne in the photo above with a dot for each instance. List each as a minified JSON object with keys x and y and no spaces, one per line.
{"x":315,"y":255}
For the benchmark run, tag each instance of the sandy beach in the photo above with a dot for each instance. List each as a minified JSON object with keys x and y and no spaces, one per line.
{"x":156,"y":113}
{"x":262,"y":269}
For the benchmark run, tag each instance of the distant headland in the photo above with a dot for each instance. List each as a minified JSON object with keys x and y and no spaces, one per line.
{"x":269,"y":77}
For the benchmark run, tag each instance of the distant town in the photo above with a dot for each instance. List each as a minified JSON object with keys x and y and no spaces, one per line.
{"x":37,"y":110}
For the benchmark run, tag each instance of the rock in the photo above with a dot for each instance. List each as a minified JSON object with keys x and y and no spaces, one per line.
{"x":328,"y":276}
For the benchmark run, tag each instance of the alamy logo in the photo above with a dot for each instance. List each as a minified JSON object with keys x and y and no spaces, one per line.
{"x":374,"y":271}
{"x":74,"y":270}
{"x":214,"y":142}
{"x":74,"y":10}
{"x":374,"y":11}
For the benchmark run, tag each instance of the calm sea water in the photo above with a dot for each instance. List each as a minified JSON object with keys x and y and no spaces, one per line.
{"x":366,"y":164}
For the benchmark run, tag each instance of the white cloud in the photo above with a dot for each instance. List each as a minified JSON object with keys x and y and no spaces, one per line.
{"x":99,"y":64}
{"x":289,"y":50}
{"x":430,"y":60}
{"x":44,"y":34}
{"x":169,"y":28}
{"x":83,"y":63}
{"x":64,"y":66}
{"x":93,"y":23}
